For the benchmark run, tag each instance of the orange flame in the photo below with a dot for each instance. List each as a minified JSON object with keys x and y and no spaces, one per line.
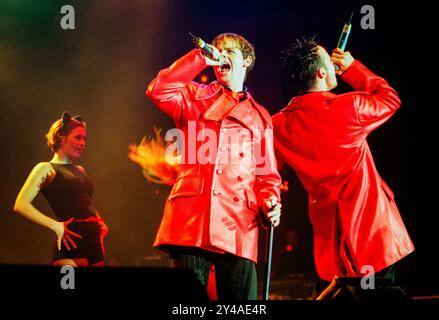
{"x":150,"y":156}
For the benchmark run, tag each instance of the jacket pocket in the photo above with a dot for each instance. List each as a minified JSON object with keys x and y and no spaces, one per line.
{"x":187,"y":187}
{"x":387,"y":190}
{"x":252,"y":203}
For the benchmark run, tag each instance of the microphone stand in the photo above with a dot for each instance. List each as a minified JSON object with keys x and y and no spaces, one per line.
{"x":267,"y":262}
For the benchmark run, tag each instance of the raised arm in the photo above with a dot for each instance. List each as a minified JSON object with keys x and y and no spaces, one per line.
{"x":376,"y":100}
{"x":168,"y":89}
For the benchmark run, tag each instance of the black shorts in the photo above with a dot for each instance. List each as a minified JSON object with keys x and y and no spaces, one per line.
{"x":88,"y":247}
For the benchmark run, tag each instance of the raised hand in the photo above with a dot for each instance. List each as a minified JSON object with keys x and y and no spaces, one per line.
{"x":217,"y":55}
{"x":343,"y":59}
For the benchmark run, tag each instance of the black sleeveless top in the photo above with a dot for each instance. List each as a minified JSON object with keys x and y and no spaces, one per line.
{"x":70,"y":193}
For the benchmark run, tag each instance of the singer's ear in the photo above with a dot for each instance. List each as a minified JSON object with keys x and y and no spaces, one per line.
{"x":321,"y":73}
{"x":248,"y":61}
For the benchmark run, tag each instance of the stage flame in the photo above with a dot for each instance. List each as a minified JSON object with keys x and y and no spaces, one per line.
{"x":150,"y":156}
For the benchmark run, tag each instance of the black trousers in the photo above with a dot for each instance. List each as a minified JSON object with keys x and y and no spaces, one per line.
{"x":235,"y":277}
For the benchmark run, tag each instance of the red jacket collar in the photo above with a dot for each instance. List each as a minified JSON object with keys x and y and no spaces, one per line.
{"x":208,"y":91}
{"x":308,"y":99}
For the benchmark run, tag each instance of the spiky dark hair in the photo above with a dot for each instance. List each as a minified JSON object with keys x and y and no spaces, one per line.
{"x":301,"y":61}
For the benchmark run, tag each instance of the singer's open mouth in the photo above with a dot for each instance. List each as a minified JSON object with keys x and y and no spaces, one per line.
{"x":224,"y":68}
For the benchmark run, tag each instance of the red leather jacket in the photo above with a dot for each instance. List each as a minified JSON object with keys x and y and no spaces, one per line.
{"x":215,"y":201}
{"x":322,"y":136}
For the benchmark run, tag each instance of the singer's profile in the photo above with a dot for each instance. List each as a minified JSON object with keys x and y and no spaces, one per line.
{"x":323,"y":137}
{"x":211,"y":216}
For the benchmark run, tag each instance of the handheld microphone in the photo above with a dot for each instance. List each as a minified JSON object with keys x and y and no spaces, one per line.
{"x":344,"y":36}
{"x":200,"y":44}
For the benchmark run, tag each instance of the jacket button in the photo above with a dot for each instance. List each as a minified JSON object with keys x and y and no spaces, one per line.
{"x":216,"y":192}
{"x":240,"y":178}
{"x":236,"y":199}
{"x":219,"y":171}
{"x":224,"y":130}
{"x":223,"y":148}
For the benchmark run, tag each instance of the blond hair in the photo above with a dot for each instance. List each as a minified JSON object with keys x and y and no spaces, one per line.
{"x":241,"y":43}
{"x":59,"y":130}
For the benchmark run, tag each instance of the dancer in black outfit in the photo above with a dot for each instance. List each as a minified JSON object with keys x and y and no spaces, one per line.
{"x":79,"y":228}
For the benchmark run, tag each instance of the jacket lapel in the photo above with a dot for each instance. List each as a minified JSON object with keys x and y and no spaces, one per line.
{"x":244,"y":112}
{"x":219,"y":108}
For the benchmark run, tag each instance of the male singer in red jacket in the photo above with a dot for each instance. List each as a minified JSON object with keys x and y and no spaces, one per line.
{"x":322,"y":136}
{"x":211,"y":214}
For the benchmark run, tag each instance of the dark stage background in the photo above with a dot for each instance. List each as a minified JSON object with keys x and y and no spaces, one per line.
{"x":101,"y":69}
